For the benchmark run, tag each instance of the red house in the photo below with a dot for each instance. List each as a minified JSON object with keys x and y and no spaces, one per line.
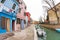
{"x":28,"y":14}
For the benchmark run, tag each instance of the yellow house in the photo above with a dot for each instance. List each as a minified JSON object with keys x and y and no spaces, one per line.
{"x":52,"y":17}
{"x":54,"y":14}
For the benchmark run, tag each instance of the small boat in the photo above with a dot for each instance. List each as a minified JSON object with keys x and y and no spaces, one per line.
{"x":40,"y":32}
{"x":58,"y":29}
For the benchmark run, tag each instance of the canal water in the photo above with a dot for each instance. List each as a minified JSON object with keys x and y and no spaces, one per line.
{"x":51,"y":35}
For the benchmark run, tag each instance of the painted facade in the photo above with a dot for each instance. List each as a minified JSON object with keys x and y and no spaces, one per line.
{"x":8,"y":10}
{"x":21,"y":15}
{"x":22,"y":9}
{"x":54,"y":17}
{"x":28,"y":14}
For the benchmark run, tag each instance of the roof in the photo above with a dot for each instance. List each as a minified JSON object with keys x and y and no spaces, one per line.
{"x":57,"y":6}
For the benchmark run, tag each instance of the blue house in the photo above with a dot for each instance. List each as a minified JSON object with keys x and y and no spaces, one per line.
{"x":8,"y":10}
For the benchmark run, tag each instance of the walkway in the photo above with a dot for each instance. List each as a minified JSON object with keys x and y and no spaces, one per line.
{"x":26,"y":34}
{"x":51,"y":26}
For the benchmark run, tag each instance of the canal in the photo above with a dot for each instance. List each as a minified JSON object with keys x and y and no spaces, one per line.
{"x":51,"y":35}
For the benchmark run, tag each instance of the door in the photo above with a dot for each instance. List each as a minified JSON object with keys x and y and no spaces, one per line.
{"x":13,"y":25}
{"x":8,"y":24}
{"x":3,"y":25}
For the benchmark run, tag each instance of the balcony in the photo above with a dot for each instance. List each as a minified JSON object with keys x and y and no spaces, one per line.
{"x":7,"y":11}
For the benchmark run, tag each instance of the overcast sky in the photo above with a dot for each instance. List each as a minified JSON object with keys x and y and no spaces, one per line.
{"x":35,"y":8}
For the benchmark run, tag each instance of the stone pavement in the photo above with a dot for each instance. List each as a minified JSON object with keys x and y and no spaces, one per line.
{"x":35,"y":34}
{"x":50,"y":26}
{"x":6,"y":35}
{"x":26,"y":34}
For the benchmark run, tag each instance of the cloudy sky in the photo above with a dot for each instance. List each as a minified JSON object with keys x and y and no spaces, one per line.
{"x":35,"y":8}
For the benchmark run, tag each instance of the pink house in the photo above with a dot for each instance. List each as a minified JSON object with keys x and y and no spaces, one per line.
{"x":20,"y":14}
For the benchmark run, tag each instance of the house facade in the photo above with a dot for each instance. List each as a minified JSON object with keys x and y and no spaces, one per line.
{"x":28,"y":15}
{"x":52,"y":17}
{"x":54,"y":14}
{"x":58,"y":12}
{"x":8,"y":10}
{"x":20,"y":15}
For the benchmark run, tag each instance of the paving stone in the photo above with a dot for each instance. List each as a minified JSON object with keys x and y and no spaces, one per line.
{"x":26,"y":34}
{"x":5,"y":36}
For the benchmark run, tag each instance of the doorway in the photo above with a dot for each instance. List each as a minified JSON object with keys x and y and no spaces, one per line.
{"x":5,"y":24}
{"x":13,"y":25}
{"x":8,"y":24}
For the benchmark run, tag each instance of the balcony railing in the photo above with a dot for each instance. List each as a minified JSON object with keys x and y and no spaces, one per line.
{"x":9,"y":13}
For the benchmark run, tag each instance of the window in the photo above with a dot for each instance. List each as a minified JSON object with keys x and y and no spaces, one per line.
{"x":14,"y":5}
{"x":24,"y":22}
{"x":17,"y":1}
{"x":20,"y":2}
{"x":25,"y":7}
{"x":24,"y":14}
{"x":19,"y":10}
{"x":2,"y":1}
{"x":18,"y":21}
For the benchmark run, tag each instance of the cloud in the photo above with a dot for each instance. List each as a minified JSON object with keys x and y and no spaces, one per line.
{"x":35,"y":8}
